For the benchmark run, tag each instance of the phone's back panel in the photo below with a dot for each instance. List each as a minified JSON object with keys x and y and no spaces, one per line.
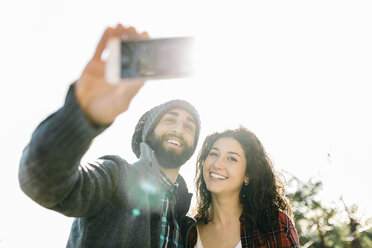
{"x":157,"y":58}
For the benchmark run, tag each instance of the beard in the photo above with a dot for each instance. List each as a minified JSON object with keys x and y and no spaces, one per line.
{"x":169,"y":158}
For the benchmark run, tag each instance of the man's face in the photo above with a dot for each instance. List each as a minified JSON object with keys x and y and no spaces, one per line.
{"x":173,"y":138}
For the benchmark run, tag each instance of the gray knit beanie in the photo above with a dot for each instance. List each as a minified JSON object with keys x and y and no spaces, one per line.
{"x":148,"y":121}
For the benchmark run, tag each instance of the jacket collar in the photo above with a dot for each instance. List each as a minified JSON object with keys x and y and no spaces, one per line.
{"x":148,"y":168}
{"x":147,"y":164}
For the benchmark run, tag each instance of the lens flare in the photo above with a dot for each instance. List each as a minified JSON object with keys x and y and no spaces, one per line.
{"x":151,"y":189}
{"x":136,"y":212}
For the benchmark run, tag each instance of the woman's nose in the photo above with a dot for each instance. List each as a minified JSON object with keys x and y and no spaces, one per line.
{"x":218,"y":163}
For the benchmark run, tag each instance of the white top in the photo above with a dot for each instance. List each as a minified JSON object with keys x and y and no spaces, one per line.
{"x":200,"y":245}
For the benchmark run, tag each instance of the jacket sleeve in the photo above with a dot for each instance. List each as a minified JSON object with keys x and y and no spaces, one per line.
{"x":50,"y":172}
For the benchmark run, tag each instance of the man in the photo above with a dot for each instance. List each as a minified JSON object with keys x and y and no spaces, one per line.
{"x":116,"y":204}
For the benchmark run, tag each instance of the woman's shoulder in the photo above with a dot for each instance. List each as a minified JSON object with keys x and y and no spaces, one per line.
{"x":284,"y":219}
{"x":291,"y":238}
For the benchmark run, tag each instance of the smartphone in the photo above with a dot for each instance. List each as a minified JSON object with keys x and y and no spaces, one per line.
{"x":149,"y":59}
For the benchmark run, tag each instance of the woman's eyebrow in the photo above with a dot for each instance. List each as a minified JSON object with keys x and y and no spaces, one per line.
{"x":234,"y":153}
{"x":237,"y":154}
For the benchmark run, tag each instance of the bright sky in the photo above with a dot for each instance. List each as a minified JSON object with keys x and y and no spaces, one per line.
{"x":297,"y":73}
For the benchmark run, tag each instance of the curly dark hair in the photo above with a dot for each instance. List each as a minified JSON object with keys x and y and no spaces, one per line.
{"x":261,"y":198}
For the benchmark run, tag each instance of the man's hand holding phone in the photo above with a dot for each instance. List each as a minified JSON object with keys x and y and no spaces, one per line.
{"x":100,"y":100}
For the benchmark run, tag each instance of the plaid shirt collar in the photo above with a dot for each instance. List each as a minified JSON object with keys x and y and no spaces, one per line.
{"x":244,"y":217}
{"x":167,"y":185}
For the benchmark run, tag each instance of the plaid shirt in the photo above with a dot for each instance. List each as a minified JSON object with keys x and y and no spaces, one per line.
{"x":282,"y":235}
{"x":170,"y":235}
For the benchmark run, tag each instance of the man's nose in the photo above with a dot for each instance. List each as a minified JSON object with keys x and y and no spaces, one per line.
{"x":178,"y":127}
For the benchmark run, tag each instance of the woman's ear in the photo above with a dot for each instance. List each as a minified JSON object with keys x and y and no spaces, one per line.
{"x":246,"y":181}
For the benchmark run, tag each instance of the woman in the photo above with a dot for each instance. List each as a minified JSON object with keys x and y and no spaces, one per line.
{"x":241,"y":201}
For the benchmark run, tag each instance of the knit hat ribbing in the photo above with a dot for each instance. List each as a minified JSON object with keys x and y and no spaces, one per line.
{"x":148,"y":121}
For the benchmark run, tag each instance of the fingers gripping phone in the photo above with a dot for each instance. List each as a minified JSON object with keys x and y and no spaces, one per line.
{"x":149,"y":59}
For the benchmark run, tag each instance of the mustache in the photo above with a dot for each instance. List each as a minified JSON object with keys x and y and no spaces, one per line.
{"x":172,"y":135}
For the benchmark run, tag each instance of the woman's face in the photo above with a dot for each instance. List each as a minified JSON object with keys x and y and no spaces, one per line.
{"x":224,"y":167}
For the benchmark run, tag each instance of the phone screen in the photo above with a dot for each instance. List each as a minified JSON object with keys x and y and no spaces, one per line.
{"x":157,"y":58}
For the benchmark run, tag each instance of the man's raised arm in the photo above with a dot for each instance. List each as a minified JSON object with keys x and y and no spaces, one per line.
{"x":50,"y":167}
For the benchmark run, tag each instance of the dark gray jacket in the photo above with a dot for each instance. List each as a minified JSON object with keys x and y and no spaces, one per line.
{"x":116,"y":204}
